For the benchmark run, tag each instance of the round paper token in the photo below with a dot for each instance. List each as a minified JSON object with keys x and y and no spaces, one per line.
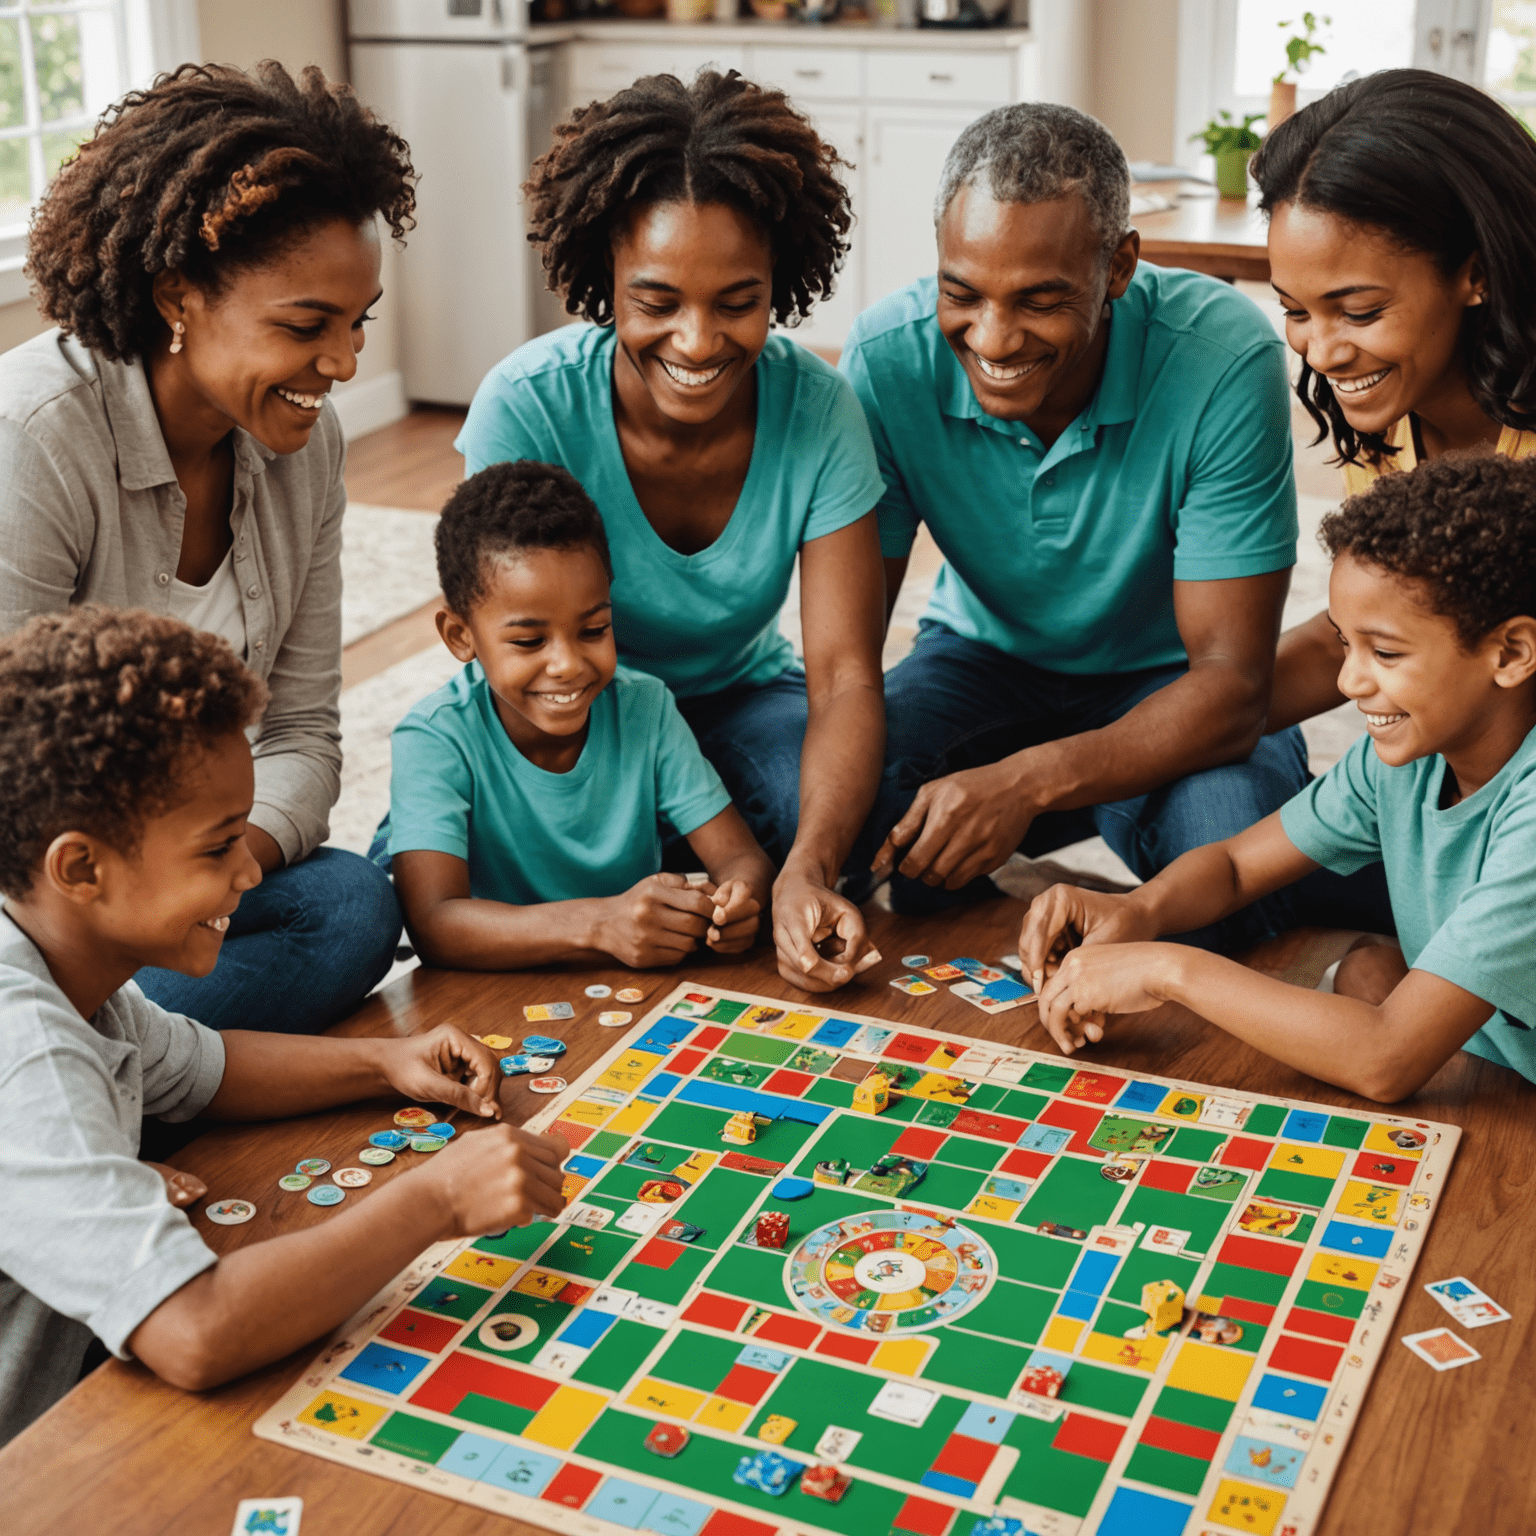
{"x":443,"y":1129}
{"x":352,"y":1178}
{"x":327,"y":1194}
{"x":428,"y":1143}
{"x":294,"y":1181}
{"x":544,"y":1045}
{"x":377,"y":1156}
{"x":389,"y":1141}
{"x":629,"y":995}
{"x":915,"y":962}
{"x":229,"y":1213}
{"x":496,"y":1042}
{"x":597,"y":989}
{"x":313,"y":1166}
{"x":615,"y":1019}
{"x":548,"y":1084}
{"x":537,"y":1064}
{"x":414,"y":1119}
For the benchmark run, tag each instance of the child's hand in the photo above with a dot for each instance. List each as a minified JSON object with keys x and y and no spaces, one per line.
{"x":181,"y":1189}
{"x":656,"y":922}
{"x":499,"y":1177}
{"x":445,"y":1066}
{"x":1065,"y":916}
{"x":733,"y":923}
{"x":1090,"y":984}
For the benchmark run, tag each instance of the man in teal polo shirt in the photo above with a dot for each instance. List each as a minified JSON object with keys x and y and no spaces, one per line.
{"x":1103,"y":453}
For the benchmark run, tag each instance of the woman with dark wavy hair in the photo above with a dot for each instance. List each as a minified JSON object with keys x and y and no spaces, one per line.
{"x":1402,"y":246}
{"x":209,"y":259}
{"x":684,"y":221}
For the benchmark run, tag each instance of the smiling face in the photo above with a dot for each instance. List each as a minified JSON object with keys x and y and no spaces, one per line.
{"x":1022,"y":290}
{"x":1380,"y":322}
{"x":691,"y":291}
{"x":542,"y":632}
{"x":264,"y":350}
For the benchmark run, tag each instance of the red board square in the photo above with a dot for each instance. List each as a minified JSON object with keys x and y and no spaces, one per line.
{"x":714,"y":1311}
{"x":847,"y":1346}
{"x":572,"y":1485}
{"x":1245,"y":1152}
{"x":660,"y":1253}
{"x":965,"y":1458}
{"x":421,"y":1330}
{"x":708,"y":1039}
{"x":1379,"y":1168}
{"x":919,"y":1142}
{"x":687,"y":1061}
{"x":1247,"y":1311}
{"x":1321,"y":1325}
{"x":724,"y":1523}
{"x":1030,"y":1164}
{"x":913,"y":1049}
{"x":1256,"y":1253}
{"x":1080,"y":1119}
{"x":461,"y":1374}
{"x":1084,"y":1435}
{"x":575,"y":1135}
{"x":1181,"y":1439}
{"x":796,"y":1332}
{"x":791,"y":1084}
{"x":1160,"y":1173}
{"x":746,"y":1384}
{"x":975,"y":1122}
{"x":923,"y":1517}
{"x":1302,"y":1357}
{"x":1094,"y":1087}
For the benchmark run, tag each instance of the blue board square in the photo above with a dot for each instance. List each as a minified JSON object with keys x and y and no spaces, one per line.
{"x":522,"y":1471}
{"x":762,"y":1359}
{"x":671,"y":1029}
{"x":1062,"y":1363}
{"x":1295,"y":1399}
{"x":1304,"y":1125}
{"x":944,"y":1483}
{"x":657,"y":1045}
{"x":625,"y":1504}
{"x":384,"y":1369}
{"x":1147,"y":1096}
{"x":662,"y":1083}
{"x":983,"y":1423}
{"x":672,"y":1516}
{"x":587,"y":1167}
{"x":587,"y":1327}
{"x":1277,"y":1465}
{"x":1094,"y":1272}
{"x":1078,"y":1304}
{"x":836,"y":1032}
{"x":471,"y":1456}
{"x":1346,"y":1237}
{"x":1044,"y":1138}
{"x":1134,"y":1513}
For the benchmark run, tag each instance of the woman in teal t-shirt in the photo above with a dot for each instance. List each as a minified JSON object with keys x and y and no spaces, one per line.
{"x":683,"y":221}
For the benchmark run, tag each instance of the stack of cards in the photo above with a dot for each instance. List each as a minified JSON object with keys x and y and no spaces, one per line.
{"x":1471,"y":1307}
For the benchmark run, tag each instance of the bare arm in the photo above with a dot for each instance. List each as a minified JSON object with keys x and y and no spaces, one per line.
{"x":1306,"y":673}
{"x":741,"y":879}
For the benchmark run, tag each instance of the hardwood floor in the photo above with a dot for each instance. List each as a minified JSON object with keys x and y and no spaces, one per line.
{"x":411,"y":463}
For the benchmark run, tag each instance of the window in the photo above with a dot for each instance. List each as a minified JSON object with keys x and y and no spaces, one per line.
{"x":1510,"y":70}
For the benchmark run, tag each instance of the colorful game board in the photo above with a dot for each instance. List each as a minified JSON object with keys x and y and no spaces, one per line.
{"x":646,"y":1365}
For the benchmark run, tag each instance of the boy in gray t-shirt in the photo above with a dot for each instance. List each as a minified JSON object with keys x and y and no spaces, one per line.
{"x":125,"y":782}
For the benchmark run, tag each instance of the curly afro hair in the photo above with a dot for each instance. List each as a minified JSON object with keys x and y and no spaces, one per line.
{"x":209,"y":170}
{"x":504,"y":510}
{"x":99,"y":708}
{"x":720,"y":140}
{"x":1464,"y":527}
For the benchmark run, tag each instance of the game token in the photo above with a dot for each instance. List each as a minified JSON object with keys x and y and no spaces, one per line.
{"x":229,"y":1213}
{"x":792,"y":1189}
{"x":378,"y":1156}
{"x":352,"y":1178}
{"x":268,"y":1517}
{"x":547,"y":1085}
{"x":629,"y":995}
{"x":827,"y":1483}
{"x":428,"y":1143}
{"x":294,"y":1181}
{"x":915,"y":962}
{"x":768,"y":1472}
{"x":443,"y":1129}
{"x":667,"y":1440}
{"x":614,"y":1019}
{"x":660,"y":1191}
{"x":496,"y":1042}
{"x":389,"y":1141}
{"x":327,"y":1194}
{"x":544,"y":1045}
{"x":313,"y":1166}
{"x":538,"y":1013}
{"x":597,"y":989}
{"x":776,"y":1429}
{"x":414,"y":1119}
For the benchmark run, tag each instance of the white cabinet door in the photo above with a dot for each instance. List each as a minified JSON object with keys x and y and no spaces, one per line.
{"x":829,"y":321}
{"x":600,"y":69}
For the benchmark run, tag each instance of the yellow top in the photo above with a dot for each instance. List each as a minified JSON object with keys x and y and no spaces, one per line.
{"x":1512,"y":444}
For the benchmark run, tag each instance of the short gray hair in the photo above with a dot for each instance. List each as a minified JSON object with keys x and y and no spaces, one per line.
{"x":1037,"y":151}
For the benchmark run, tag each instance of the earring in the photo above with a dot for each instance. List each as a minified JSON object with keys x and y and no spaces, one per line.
{"x":176,"y":340}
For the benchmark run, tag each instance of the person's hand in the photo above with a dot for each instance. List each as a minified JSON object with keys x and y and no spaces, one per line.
{"x":499,"y":1177}
{"x":1064,"y":916}
{"x":1091,"y":984}
{"x":733,"y":922}
{"x":445,"y":1066}
{"x":960,"y":826}
{"x":656,"y":922}
{"x":820,"y":936}
{"x":181,"y":1189}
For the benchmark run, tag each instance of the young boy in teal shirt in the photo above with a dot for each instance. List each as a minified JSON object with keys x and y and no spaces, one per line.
{"x":1433,"y":595}
{"x":528,"y":795}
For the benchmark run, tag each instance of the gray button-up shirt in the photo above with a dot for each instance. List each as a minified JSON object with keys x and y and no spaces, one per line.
{"x":90,"y":512}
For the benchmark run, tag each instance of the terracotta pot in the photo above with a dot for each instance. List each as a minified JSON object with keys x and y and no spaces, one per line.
{"x":1282,"y":102}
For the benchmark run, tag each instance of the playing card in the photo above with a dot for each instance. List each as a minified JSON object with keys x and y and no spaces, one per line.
{"x":913,"y":986}
{"x":837,"y":1444}
{"x":639,"y":1218}
{"x":976,"y":970}
{"x":1441,"y":1348}
{"x":980,"y":996}
{"x":1470,"y":1306}
{"x":268,"y":1517}
{"x":943,"y":972}
{"x":903,"y":1404}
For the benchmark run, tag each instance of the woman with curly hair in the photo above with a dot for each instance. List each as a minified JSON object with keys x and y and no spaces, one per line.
{"x":684,"y":221}
{"x":209,"y":260}
{"x":1402,"y":243}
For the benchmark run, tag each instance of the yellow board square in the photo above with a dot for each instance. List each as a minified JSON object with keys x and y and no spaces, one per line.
{"x":631,"y":1118}
{"x":339,"y":1415}
{"x":1340,"y":1269}
{"x":1181,"y":1105}
{"x":722,"y":1414}
{"x":994,"y":1206}
{"x":629,"y":1071}
{"x":565,"y":1418}
{"x":663,"y":1397}
{"x":1370,"y":1202}
{"x":943,"y":1058}
{"x":695,"y":1166}
{"x":1214,"y":1372}
{"x":1319,"y":1162}
{"x":572,"y":1185}
{"x":1138,"y":1354}
{"x":1245,"y":1507}
{"x":937,"y":1086}
{"x":1378,"y":1139}
{"x":798,"y":1025}
{"x":1062,"y":1334}
{"x":901,"y":1357}
{"x":586,"y":1112}
{"x":539,"y":1282}
{"x":483,"y":1268}
{"x":776,"y":1429}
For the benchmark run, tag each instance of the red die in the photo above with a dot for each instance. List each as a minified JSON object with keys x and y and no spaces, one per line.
{"x":1042,"y":1380}
{"x":772,"y":1229}
{"x":827,"y":1483}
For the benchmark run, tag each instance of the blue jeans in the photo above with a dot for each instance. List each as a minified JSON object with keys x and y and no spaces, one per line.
{"x":303,"y":948}
{"x":955,"y":703}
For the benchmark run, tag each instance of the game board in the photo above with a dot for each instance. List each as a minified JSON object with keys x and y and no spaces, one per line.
{"x":890,"y":1336}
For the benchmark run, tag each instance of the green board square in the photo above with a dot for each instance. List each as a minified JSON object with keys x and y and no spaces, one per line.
{"x":1112,"y":1391}
{"x":697,"y":1360}
{"x":718,"y":1202}
{"x":1164,"y":1469}
{"x":1056,"y":1479}
{"x":1195,"y":1145}
{"x":1018,"y":1313}
{"x":726,"y":1012}
{"x":1264,"y":1120}
{"x":604,"y":1144}
{"x":1072,"y":1194}
{"x":1116,"y":1316}
{"x":831,"y":1090}
{"x":1032,"y":1256}
{"x":978,"y":1364}
{"x":1202,"y":1219}
{"x":576,"y":1251}
{"x":935,"y":1112}
{"x":760,"y":1048}
{"x":1342,"y":1131}
{"x":515,"y":1243}
{"x":618,"y":1355}
{"x":454,"y":1298}
{"x":669,"y":1284}
{"x":1222,"y":1184}
{"x":1339,"y":1300}
{"x":742,"y":1074}
{"x":550,"y":1316}
{"x":1193,"y":1408}
{"x":812,"y":1059}
{"x":1294,"y":1188}
{"x":904,"y":1109}
{"x":696,"y":1125}
{"x":1249,"y":1284}
{"x":493,"y":1414}
{"x":1048,"y":1077}
{"x":1022,"y":1106}
{"x":858,"y":1138}
{"x":986,"y":1096}
{"x":949,"y":1187}
{"x":419,"y":1439}
{"x":966,"y":1152}
{"x":815,"y":1394}
{"x":622,"y":1181}
{"x":1142,"y":1266}
{"x":756,"y":1274}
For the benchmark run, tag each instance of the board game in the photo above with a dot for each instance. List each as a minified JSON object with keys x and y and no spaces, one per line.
{"x":820,"y":1273}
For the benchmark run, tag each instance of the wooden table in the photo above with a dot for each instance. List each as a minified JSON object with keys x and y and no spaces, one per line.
{"x":1432,"y":1453}
{"x":1223,"y":236}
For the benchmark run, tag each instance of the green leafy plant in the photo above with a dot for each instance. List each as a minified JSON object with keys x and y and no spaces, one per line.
{"x":1229,"y":134}
{"x":1299,"y":50}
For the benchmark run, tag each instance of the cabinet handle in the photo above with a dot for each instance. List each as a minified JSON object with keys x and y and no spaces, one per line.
{"x":808,"y":74}
{"x":940,"y":78}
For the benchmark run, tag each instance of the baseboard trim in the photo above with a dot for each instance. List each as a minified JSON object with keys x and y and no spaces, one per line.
{"x":364,"y":407}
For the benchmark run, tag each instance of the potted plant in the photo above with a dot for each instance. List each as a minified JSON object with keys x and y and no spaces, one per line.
{"x":1233,"y":144}
{"x":1298,"y":54}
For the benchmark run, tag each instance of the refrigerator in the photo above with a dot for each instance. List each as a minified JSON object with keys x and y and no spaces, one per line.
{"x":458,"y":81}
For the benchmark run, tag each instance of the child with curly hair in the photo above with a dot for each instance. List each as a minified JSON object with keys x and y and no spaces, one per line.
{"x":126,"y":788}
{"x":1433,"y":597}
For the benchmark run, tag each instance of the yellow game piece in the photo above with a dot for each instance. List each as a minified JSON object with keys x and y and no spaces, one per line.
{"x":776,"y":1429}
{"x":873,"y":1095}
{"x":1163,"y":1302}
{"x":741,"y":1128}
{"x":496,"y":1042}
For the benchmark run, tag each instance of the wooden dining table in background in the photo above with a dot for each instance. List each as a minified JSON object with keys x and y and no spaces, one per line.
{"x":1222,"y":236}
{"x":1432,"y":1454}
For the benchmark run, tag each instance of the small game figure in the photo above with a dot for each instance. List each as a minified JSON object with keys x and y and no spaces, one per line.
{"x":1163,"y":1302}
{"x":873,"y":1095}
{"x":740,"y":1129}
{"x":776,"y":1429}
{"x":1216,"y":1330}
{"x":1041,"y":1380}
{"x":768,"y":1472}
{"x":823,"y":1482}
{"x":666,"y":1440}
{"x":1056,"y":1229}
{"x":772,"y":1229}
{"x":834,"y":1170}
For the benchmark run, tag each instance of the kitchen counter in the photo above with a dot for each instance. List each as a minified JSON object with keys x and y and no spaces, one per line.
{"x":834,"y":34}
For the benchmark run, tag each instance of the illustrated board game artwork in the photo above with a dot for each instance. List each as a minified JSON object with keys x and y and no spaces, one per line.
{"x":992,"y":1293}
